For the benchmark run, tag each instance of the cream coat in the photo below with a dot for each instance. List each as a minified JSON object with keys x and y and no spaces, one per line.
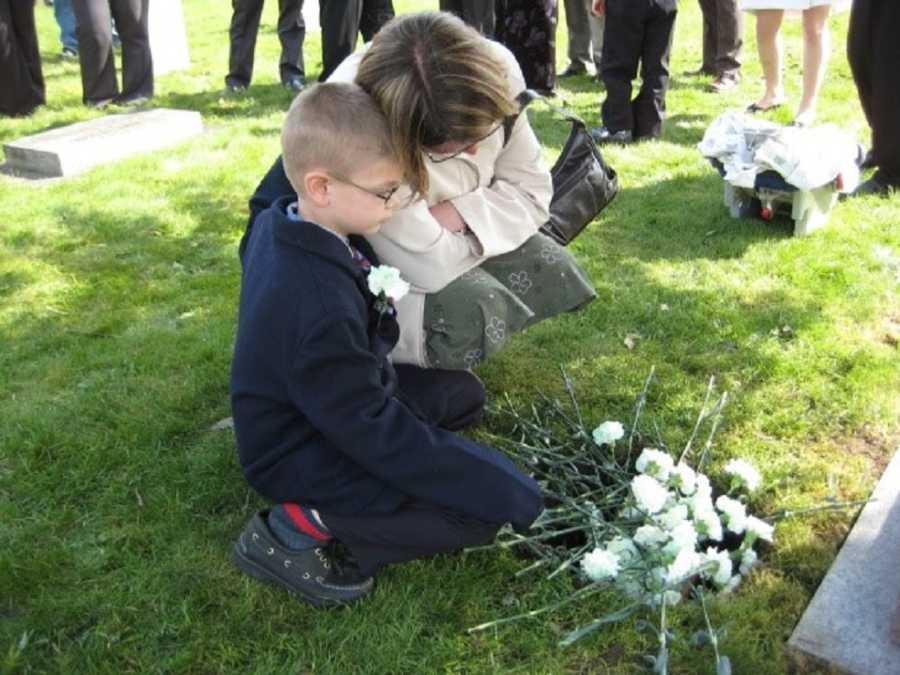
{"x":503,"y":194}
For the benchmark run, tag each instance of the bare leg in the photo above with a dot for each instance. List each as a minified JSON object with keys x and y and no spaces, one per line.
{"x":816,"y":48}
{"x":768,"y":38}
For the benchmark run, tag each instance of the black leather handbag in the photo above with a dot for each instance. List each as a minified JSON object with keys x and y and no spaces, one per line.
{"x":583,"y":183}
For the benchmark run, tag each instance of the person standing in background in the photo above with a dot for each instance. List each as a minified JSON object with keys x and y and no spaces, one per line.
{"x":528,"y":29}
{"x":636,"y":33}
{"x":874,"y":54}
{"x":21,"y":78}
{"x":95,"y":53}
{"x":243,"y":31}
{"x":816,"y":50}
{"x":585,"y":37}
{"x":342,"y":20}
{"x":723,"y":31}
{"x":65,"y":19}
{"x":477,"y":13}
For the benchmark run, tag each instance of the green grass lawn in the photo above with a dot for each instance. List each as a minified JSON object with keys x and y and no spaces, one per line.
{"x":118,"y":294}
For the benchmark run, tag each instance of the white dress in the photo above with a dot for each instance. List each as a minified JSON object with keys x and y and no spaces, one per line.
{"x":782,"y":4}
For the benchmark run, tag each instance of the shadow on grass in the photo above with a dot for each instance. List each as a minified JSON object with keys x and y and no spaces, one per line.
{"x":257,"y":101}
{"x":683,"y":218}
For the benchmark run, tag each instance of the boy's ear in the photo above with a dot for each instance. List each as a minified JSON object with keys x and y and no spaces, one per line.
{"x":317,"y":187}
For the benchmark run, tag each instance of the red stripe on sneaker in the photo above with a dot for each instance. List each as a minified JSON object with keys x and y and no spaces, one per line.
{"x":303,"y":523}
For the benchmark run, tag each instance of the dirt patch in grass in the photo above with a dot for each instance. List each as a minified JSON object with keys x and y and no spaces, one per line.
{"x":874,"y":445}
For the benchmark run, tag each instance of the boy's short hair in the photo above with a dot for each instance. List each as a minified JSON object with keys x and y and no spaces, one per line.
{"x":334,"y":126}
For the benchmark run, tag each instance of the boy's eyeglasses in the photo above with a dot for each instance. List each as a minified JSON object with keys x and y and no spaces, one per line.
{"x":397,"y":197}
{"x":438,"y":157}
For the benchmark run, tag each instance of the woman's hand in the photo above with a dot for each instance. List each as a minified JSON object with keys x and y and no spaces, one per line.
{"x":599,"y":7}
{"x":447,"y":215}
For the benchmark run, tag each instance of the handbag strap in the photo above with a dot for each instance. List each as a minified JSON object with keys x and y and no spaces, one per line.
{"x":524,"y":99}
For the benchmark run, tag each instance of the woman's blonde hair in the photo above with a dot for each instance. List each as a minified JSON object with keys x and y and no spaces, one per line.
{"x":437,"y":81}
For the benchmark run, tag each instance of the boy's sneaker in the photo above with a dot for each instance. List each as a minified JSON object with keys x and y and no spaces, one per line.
{"x":312,"y":574}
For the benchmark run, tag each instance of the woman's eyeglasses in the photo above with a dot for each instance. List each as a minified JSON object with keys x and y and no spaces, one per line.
{"x":438,"y":157}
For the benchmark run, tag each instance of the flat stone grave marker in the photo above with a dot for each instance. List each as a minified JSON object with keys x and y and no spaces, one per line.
{"x":852,"y":621}
{"x":72,"y":149}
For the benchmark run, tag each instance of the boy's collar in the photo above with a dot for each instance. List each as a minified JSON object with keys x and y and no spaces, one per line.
{"x":293,"y":213}
{"x":311,"y":237}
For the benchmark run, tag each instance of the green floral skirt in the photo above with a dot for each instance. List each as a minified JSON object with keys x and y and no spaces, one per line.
{"x":474,"y":315}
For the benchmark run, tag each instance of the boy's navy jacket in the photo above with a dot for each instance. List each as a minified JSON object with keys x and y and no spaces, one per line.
{"x":312,"y":392}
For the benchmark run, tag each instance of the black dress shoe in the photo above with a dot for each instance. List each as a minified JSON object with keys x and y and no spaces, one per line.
{"x":700,"y":71}
{"x":867,"y":159}
{"x":131,"y":101}
{"x":574,"y":69}
{"x":313,"y":575}
{"x":235,"y":87}
{"x":296,"y":83}
{"x":723,"y":83}
{"x":603,"y":136}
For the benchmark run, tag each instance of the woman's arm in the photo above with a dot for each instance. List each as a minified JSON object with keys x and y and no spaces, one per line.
{"x":513,"y":207}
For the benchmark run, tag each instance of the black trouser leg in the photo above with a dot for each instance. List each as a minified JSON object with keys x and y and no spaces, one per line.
{"x":621,"y":53}
{"x":729,"y":38}
{"x":874,"y":54}
{"x":886,"y":94}
{"x":859,"y":52}
{"x":649,"y":107}
{"x":452,"y":399}
{"x":291,"y":33}
{"x":21,"y":78}
{"x":242,"y":35}
{"x":708,"y":10}
{"x":477,"y":13}
{"x":95,"y":50}
{"x":416,"y":530}
{"x":137,"y":62}
{"x":340,"y":24}
{"x":375,"y":13}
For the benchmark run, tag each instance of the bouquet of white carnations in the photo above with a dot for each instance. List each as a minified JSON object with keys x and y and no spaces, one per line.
{"x":628,"y":514}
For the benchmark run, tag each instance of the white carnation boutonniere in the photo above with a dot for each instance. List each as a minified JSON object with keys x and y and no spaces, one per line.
{"x":387,"y":286}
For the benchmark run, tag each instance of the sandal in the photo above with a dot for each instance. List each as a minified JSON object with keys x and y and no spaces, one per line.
{"x":754,"y":108}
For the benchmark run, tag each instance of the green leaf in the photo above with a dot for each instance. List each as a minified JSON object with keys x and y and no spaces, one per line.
{"x":612,"y":617}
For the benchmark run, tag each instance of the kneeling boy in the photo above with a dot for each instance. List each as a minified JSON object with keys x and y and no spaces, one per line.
{"x":350,"y":448}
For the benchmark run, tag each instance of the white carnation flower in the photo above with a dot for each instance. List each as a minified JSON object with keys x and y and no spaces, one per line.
{"x":745,"y":473}
{"x":684,"y":536}
{"x":608,"y":433}
{"x":703,"y":487}
{"x":649,"y":536}
{"x":708,"y":524}
{"x":672,"y":598}
{"x":732,"y":584}
{"x":748,"y":560}
{"x":655,"y":463}
{"x":701,"y":502}
{"x":718,"y":566}
{"x":685,"y":565}
{"x":600,"y":565}
{"x":651,"y":496}
{"x":623,"y":548}
{"x":684,"y":478}
{"x":735,"y":513}
{"x":386,"y":279}
{"x":673,"y":517}
{"x":760,"y":529}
